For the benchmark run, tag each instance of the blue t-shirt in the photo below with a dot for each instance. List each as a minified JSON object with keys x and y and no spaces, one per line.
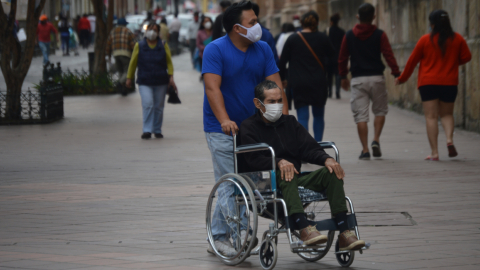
{"x":240,"y":72}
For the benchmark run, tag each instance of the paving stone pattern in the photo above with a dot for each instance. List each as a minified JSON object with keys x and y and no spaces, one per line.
{"x":88,"y":193}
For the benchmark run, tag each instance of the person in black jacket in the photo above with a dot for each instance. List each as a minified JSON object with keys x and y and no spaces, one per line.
{"x":293,"y":144}
{"x":218,"y":30}
{"x":306,"y":76}
{"x":335,"y":34}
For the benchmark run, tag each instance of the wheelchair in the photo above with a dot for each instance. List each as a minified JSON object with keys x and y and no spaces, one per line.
{"x":255,"y":194}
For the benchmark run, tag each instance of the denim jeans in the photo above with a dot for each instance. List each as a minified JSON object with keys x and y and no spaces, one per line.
{"x":221,"y":148}
{"x":153,"y":102}
{"x":318,"y":120}
{"x":45,"y":48}
{"x":65,"y":42}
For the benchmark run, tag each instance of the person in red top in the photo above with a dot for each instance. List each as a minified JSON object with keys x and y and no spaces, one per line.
{"x":84,"y":29}
{"x":364,"y":45}
{"x":44,"y":28}
{"x":440,"y":53}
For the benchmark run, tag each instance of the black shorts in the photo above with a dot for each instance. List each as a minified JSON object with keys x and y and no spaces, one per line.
{"x":445,"y":93}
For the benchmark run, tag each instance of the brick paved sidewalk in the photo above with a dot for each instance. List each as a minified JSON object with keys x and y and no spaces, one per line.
{"x":88,"y":193}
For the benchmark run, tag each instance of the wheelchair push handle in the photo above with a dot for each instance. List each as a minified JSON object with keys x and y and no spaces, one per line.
{"x":251,"y":148}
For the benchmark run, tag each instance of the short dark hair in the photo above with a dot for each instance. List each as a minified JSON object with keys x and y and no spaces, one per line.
{"x":335,"y":18}
{"x":288,"y":27}
{"x":225,"y":4}
{"x":366,"y":11}
{"x":233,"y":14}
{"x":256,"y":8}
{"x":152,"y":24}
{"x":196,"y":13}
{"x":261,"y":87}
{"x":310,"y":20}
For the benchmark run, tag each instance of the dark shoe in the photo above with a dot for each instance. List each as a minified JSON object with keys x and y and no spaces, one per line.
{"x":158,"y":135}
{"x":376,"y":149}
{"x":364,"y":156}
{"x":146,"y":135}
{"x":349,"y":241}
{"x":452,"y":151}
{"x":310,"y":236}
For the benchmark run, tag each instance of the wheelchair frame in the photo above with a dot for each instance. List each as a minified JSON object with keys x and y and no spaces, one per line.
{"x":260,"y":201}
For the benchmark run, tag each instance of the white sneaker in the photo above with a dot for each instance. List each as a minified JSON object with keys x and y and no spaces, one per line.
{"x":224,"y":247}
{"x":249,"y":238}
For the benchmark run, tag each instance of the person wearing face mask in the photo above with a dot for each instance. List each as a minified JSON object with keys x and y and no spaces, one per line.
{"x":44,"y":28}
{"x":155,"y":74}
{"x":204,"y":36}
{"x":293,"y":144}
{"x":232,"y":66}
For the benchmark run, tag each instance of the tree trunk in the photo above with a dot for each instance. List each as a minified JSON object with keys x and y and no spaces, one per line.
{"x":15,"y":63}
{"x":102,"y":30}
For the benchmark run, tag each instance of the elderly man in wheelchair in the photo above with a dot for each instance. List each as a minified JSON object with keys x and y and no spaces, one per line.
{"x":273,"y":147}
{"x":293,"y":144}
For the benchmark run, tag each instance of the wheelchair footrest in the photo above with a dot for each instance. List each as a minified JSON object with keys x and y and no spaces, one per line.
{"x":367,"y":246}
{"x":327,"y":224}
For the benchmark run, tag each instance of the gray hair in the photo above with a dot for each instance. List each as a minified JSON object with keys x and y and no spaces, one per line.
{"x":261,"y":87}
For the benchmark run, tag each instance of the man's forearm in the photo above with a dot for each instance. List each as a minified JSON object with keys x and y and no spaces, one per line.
{"x":217,"y":103}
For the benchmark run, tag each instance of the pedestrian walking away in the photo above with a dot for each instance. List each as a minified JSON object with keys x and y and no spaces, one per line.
{"x":164,"y":31}
{"x":192,"y":35}
{"x":120,"y":44}
{"x":335,"y":34}
{"x":232,"y":66}
{"x":155,"y":74}
{"x":204,"y":37}
{"x":73,"y":41}
{"x":218,"y":29}
{"x":306,"y":53}
{"x":64,"y":29}
{"x":92,"y":19}
{"x":440,"y":54}
{"x":364,"y":46}
{"x":44,"y":29}
{"x":174,"y":28}
{"x":84,"y":29}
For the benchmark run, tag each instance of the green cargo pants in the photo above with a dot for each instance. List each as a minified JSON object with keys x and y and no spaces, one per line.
{"x":318,"y":181}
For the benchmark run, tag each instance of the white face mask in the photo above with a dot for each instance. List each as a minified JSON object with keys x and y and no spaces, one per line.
{"x":151,"y":34}
{"x":207,"y":25}
{"x":296,"y":23}
{"x":254,"y":33}
{"x":272,"y":111}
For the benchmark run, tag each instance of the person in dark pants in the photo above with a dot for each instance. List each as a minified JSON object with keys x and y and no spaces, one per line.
{"x":335,"y":34}
{"x":84,"y":28}
{"x":192,"y":35}
{"x":218,"y":30}
{"x":293,"y":144}
{"x":364,"y":45}
{"x":64,"y":29}
{"x":306,"y":76}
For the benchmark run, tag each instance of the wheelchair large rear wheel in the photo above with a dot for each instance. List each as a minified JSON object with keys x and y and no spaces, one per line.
{"x":234,"y":214}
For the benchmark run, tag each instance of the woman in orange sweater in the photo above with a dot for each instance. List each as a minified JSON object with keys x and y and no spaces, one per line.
{"x":440,"y":53}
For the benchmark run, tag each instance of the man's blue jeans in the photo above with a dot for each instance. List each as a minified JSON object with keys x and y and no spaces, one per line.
{"x":153,"y":102}
{"x":45,"y":48}
{"x":318,"y":120}
{"x":221,"y":148}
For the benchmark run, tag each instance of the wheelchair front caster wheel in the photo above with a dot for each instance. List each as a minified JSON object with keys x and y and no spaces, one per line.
{"x":268,"y":254}
{"x":344,"y":259}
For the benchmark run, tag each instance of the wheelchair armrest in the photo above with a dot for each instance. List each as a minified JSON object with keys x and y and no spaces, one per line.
{"x":326,"y":145}
{"x":252,"y":147}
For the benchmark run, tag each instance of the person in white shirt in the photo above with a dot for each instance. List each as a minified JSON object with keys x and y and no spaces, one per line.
{"x":91,"y":18}
{"x":192,"y":34}
{"x":174,"y":27}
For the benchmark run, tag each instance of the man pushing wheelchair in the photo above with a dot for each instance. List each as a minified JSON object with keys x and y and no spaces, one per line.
{"x":293,"y":144}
